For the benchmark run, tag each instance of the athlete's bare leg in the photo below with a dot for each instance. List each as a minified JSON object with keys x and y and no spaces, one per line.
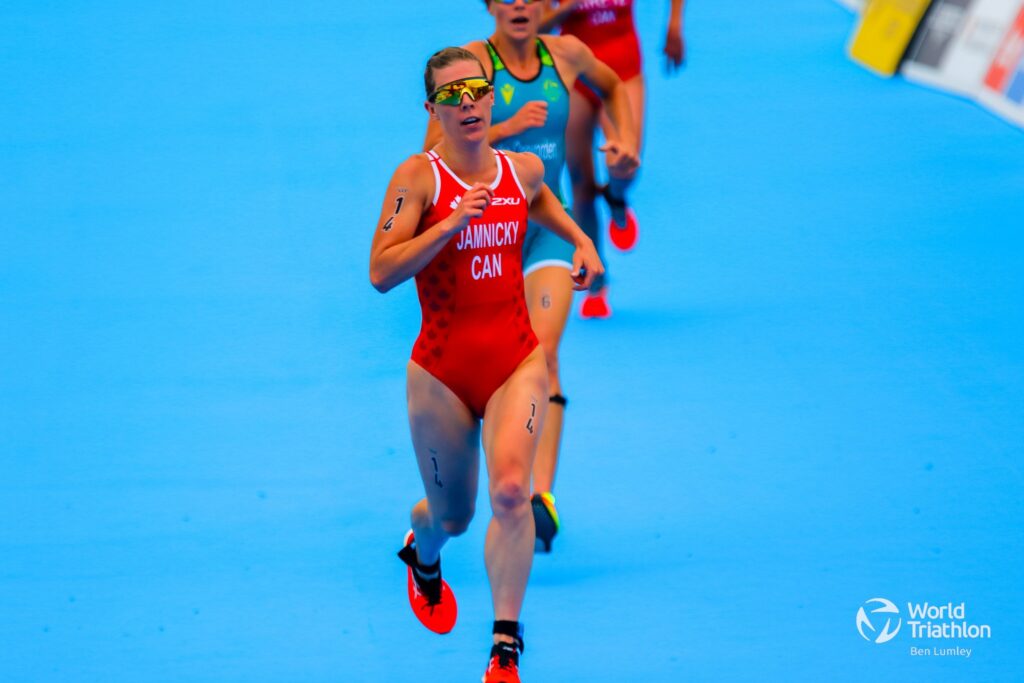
{"x":549,"y":299}
{"x":445,"y":436}
{"x":618,"y":184}
{"x":511,"y":430}
{"x":579,"y":157}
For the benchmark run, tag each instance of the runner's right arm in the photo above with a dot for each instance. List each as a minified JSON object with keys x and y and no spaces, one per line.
{"x":397,"y":252}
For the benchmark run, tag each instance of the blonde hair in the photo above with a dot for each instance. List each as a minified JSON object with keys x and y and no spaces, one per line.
{"x":443,"y":58}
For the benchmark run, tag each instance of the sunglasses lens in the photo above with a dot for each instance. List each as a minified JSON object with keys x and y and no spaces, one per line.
{"x":447,"y":95}
{"x":451,"y":93}
{"x":480,"y":91}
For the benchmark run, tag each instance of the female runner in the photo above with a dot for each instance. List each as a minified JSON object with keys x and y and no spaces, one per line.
{"x":455,"y":219}
{"x":607,"y":27}
{"x":533,"y":77}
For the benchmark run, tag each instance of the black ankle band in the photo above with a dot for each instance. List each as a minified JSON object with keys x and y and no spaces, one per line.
{"x":408,"y":555}
{"x":427,"y":569}
{"x":512,"y":629}
{"x":613,"y":201}
{"x":558,"y":399}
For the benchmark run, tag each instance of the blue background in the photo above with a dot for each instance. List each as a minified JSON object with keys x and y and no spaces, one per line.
{"x":809,"y":395}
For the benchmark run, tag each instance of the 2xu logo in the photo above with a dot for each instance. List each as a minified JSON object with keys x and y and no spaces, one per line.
{"x":506,"y":201}
{"x":497,"y":201}
{"x":866,"y":627}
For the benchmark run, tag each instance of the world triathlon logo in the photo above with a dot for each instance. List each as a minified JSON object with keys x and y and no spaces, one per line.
{"x":879,"y":620}
{"x":870,"y":617}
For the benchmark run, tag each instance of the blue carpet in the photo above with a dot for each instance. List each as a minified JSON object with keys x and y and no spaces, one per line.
{"x":809,"y":395}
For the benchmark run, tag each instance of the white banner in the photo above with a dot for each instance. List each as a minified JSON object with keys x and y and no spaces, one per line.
{"x":1002,"y":88}
{"x":957,"y":41}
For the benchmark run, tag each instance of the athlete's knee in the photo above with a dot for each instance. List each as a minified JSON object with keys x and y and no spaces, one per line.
{"x":456,"y":525}
{"x":510,"y":495}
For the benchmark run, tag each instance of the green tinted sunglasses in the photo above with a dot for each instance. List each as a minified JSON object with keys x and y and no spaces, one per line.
{"x":451,"y":93}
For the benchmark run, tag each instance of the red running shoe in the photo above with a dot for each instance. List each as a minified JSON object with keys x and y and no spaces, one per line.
{"x":504,"y":664}
{"x":624,"y":238}
{"x":595,"y":305}
{"x":432,"y":601}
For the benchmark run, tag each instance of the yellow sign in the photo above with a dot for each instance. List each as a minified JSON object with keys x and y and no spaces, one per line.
{"x":507,"y":91}
{"x":884,"y":33}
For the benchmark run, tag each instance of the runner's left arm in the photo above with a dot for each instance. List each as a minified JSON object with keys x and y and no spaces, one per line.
{"x":622,"y":152}
{"x":675,"y":43}
{"x":546,"y":209}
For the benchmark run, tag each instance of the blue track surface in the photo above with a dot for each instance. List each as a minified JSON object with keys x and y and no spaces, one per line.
{"x":810,"y":393}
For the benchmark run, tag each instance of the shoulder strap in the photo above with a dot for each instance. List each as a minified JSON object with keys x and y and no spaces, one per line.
{"x":436,"y":168}
{"x":495,"y":58}
{"x":542,"y":52}
{"x":511,"y":170}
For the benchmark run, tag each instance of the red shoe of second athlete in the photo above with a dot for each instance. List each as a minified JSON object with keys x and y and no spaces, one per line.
{"x":431,"y":600}
{"x":624,"y":237}
{"x":595,"y":305}
{"x":504,"y":664}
